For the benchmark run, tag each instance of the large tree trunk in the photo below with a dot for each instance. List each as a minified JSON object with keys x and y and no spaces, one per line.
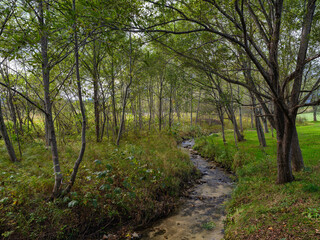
{"x":285,"y":129}
{"x":6,"y":138}
{"x":295,"y":153}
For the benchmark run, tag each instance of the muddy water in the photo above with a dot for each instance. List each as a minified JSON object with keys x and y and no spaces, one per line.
{"x":202,"y":213}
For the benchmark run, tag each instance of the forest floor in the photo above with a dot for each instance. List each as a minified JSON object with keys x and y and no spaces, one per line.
{"x":260,"y":208}
{"x":117,"y":188}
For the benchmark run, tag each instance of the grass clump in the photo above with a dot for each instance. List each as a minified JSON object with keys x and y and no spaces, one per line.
{"x":259,"y":208}
{"x":129,"y":185}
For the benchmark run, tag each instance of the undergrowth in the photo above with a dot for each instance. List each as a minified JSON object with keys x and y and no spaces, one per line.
{"x":116,"y":187}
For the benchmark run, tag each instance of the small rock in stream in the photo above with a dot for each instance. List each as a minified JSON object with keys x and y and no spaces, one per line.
{"x":109,"y":237}
{"x":135,"y":236}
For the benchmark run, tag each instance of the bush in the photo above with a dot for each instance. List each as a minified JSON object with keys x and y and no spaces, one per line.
{"x":301,"y":120}
{"x":207,"y":148}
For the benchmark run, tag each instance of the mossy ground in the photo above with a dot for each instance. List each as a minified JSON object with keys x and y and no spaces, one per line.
{"x":260,"y":208}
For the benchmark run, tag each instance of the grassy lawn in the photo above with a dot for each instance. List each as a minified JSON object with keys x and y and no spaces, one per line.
{"x":259,"y":208}
{"x":307,"y":116}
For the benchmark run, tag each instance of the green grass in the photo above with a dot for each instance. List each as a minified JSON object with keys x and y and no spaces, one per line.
{"x":307,"y":116}
{"x":116,"y":187}
{"x":259,"y":208}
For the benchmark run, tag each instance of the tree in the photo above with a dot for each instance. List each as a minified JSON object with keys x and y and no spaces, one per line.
{"x":257,"y":28}
{"x":6,"y":13}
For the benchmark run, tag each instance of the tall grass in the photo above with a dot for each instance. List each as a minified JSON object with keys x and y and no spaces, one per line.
{"x":128,"y":185}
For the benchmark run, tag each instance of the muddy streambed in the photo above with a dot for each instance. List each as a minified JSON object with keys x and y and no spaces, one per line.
{"x":202,"y":213}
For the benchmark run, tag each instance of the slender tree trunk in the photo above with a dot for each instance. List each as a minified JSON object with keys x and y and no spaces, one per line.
{"x":265,"y":123}
{"x":95,"y":73}
{"x":259,"y":128}
{"x":221,"y":117}
{"x":105,"y":117}
{"x":51,"y":135}
{"x":178,"y":111}
{"x":113,"y":96}
{"x":150,"y":106}
{"x":198,"y":108}
{"x":191,"y":98}
{"x":14,"y":119}
{"x":84,"y":121}
{"x":108,"y":123}
{"x":125,"y":95}
{"x":160,"y":104}
{"x":240,"y":118}
{"x":121,"y":128}
{"x":232,"y":118}
{"x":240,"y":112}
{"x":315,"y":108}
{"x":251,"y":116}
{"x":170,"y":106}
{"x":4,"y":133}
{"x":140,"y":112}
{"x":133,"y":111}
{"x":260,"y":133}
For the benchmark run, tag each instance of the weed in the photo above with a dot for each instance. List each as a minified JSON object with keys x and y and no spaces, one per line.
{"x":208,"y":225}
{"x":312,"y":213}
{"x":311,"y":188}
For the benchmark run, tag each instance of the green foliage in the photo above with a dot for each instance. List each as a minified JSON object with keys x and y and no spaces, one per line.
{"x":312,"y":213}
{"x":223,"y":155}
{"x":134,"y":183}
{"x":185,"y":131}
{"x":311,"y":188}
{"x":208,"y":225}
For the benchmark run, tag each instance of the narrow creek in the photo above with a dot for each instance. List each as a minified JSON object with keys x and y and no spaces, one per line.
{"x":202,"y":213}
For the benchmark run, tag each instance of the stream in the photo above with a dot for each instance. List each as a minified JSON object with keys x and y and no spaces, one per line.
{"x":201,"y":213}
